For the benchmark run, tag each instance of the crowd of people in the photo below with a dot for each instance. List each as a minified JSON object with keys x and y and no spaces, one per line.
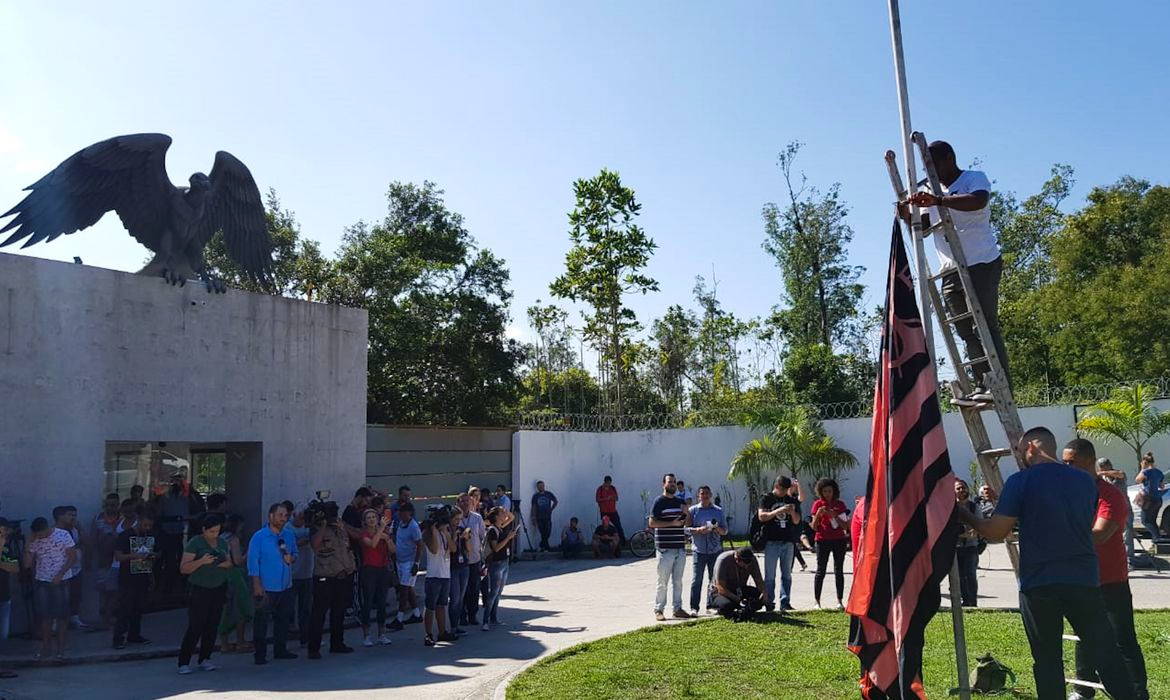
{"x":306,"y":563}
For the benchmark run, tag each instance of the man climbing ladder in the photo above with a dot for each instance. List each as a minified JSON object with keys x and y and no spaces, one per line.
{"x":967,"y":196}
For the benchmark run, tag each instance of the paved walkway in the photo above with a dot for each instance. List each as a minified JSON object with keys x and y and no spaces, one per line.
{"x":549,"y":605}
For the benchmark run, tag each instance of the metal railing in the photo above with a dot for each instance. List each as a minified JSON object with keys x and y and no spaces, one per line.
{"x":602,"y":423}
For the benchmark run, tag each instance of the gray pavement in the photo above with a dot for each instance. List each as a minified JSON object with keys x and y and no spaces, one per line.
{"x":548,"y":605}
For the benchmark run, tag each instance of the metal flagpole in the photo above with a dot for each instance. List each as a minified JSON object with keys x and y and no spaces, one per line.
{"x":924,"y":303}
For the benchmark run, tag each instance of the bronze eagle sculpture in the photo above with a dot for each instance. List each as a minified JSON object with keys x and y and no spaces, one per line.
{"x":127,"y":174}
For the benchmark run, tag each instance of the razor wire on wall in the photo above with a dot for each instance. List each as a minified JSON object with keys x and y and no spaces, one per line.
{"x":600,"y":423}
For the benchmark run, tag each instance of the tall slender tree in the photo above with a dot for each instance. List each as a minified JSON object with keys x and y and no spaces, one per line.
{"x":604,"y":265}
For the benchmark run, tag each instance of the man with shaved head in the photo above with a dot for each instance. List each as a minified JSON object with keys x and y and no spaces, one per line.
{"x":1054,"y":505}
{"x":1112,"y":565}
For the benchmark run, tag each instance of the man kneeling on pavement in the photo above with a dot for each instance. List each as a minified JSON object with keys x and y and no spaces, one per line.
{"x":730,"y":594}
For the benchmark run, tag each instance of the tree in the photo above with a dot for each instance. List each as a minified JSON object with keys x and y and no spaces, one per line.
{"x":438,"y":307}
{"x":552,"y":353}
{"x":1027,"y":233}
{"x":813,"y":374}
{"x":674,"y":336}
{"x":298,"y":270}
{"x":1105,"y":311}
{"x":795,"y":443}
{"x":808,"y":237}
{"x":1128,"y":416}
{"x":719,"y":336}
{"x":609,"y":250}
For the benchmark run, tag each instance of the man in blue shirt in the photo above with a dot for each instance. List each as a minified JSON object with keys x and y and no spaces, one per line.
{"x":271,"y":555}
{"x":709,"y":527}
{"x":543,"y":504}
{"x":1055,"y":506}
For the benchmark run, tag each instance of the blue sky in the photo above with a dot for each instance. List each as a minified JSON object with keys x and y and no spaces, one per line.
{"x":504,"y":104}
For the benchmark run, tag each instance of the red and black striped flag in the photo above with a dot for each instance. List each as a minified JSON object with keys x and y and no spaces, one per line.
{"x":907,"y":546}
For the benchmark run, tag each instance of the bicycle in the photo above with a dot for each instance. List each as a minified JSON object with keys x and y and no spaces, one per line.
{"x":641,"y":543}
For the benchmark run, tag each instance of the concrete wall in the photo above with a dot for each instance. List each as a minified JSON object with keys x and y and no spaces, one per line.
{"x":437,"y":461}
{"x":89,"y":355}
{"x":572,"y":465}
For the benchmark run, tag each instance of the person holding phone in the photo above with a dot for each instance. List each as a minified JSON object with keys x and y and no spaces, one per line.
{"x":134,"y":552}
{"x":205,"y":563}
{"x":374,"y":576}
{"x":780,"y":514}
{"x":830,"y":521}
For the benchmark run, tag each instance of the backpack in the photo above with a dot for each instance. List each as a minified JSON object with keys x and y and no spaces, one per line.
{"x":756,"y":532}
{"x":991,"y":676}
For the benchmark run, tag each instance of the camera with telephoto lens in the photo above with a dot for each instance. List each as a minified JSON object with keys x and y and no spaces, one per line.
{"x":439,"y":514}
{"x":318,"y":513}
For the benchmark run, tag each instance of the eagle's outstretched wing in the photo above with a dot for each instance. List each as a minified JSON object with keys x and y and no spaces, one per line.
{"x":126,"y":174}
{"x":234,"y":207}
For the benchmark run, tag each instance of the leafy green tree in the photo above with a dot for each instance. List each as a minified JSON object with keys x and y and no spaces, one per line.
{"x":674,"y":338}
{"x":720,"y":335}
{"x":813,"y":374}
{"x":1105,"y":311}
{"x":1128,"y":416}
{"x":571,"y":390}
{"x":1027,"y":232}
{"x":794,"y":443}
{"x":552,"y":353}
{"x":299,"y":270}
{"x":604,"y":264}
{"x":808,"y":236}
{"x":438,"y":307}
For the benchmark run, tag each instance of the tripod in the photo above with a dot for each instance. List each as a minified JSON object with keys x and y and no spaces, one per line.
{"x":524,"y":527}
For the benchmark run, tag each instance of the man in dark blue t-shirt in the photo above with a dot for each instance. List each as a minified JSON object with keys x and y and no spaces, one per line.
{"x":543,"y":505}
{"x":669,"y":519}
{"x":1055,"y":506}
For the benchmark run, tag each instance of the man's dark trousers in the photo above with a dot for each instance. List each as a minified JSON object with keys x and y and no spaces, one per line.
{"x":1119,"y":610}
{"x":545,"y":526}
{"x":330,"y":595}
{"x":985,"y":279}
{"x":133,"y":591}
{"x":471,"y":596}
{"x":278,"y":606}
{"x":1044,"y":609}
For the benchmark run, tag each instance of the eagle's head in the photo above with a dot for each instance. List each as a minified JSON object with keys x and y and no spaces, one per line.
{"x":200,"y":183}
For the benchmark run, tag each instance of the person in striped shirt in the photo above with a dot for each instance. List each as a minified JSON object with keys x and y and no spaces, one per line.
{"x":668,"y":518}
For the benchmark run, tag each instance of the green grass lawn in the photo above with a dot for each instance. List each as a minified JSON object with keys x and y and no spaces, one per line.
{"x":799,"y":657}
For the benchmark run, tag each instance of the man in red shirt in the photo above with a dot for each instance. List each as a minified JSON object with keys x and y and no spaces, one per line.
{"x":607,"y":498}
{"x":1109,"y":539}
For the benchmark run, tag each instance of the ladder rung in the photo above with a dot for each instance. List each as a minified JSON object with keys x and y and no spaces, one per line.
{"x":997,"y":452}
{"x":1070,"y":638}
{"x":976,"y":361}
{"x":1088,"y":684}
{"x":952,"y":320}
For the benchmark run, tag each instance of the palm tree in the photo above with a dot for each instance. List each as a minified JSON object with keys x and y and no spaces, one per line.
{"x":795,"y":444}
{"x":1128,"y":415}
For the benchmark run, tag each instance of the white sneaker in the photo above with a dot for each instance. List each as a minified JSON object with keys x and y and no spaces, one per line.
{"x":486,"y":627}
{"x":384,"y":640}
{"x":184,"y":670}
{"x":207,"y":666}
{"x":368,"y":642}
{"x":695,"y":613}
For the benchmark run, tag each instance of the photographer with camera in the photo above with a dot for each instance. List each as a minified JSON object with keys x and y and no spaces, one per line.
{"x":374,"y":576}
{"x":730,"y":593}
{"x":500,"y":533}
{"x":205,"y":563}
{"x":271,"y":554}
{"x":461,"y":563}
{"x":408,"y":549}
{"x":440,"y":544}
{"x":333,"y":571}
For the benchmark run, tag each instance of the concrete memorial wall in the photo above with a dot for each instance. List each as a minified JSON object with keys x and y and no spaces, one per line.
{"x":90,"y":356}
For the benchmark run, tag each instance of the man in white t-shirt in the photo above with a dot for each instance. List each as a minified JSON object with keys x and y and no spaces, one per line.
{"x":968,"y":193}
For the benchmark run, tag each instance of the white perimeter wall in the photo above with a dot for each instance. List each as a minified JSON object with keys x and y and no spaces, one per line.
{"x":573,"y":464}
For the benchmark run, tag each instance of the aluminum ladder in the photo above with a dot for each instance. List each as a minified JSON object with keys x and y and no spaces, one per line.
{"x":1003,"y":406}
